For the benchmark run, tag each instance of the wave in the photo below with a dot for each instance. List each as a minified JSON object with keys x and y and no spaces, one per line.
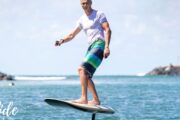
{"x":39,"y":78}
{"x":141,"y":74}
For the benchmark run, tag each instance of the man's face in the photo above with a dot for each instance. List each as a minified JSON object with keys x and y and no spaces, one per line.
{"x":86,"y":4}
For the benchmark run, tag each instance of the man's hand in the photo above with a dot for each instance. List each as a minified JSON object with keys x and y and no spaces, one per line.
{"x":59,"y":42}
{"x":106,"y":52}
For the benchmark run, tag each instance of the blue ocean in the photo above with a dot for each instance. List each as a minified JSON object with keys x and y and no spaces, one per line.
{"x":132,"y":97}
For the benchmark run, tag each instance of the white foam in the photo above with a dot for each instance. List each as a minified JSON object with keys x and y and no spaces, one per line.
{"x":38,"y":78}
{"x":141,"y":74}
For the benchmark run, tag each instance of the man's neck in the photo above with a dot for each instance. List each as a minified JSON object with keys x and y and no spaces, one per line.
{"x":88,"y":12}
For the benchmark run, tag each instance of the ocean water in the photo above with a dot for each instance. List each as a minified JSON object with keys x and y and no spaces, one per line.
{"x":132,"y":97}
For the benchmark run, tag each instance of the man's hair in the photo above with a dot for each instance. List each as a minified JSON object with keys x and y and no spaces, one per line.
{"x":90,"y":1}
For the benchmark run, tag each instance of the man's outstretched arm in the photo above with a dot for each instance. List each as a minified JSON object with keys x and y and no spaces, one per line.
{"x":69,"y":37}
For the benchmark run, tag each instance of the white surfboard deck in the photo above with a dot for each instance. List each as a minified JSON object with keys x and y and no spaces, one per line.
{"x":82,"y":107}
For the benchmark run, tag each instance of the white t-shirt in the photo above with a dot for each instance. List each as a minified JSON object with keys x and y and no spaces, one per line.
{"x":92,"y":25}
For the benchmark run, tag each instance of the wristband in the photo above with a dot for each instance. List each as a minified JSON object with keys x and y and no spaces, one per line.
{"x":62,"y":40}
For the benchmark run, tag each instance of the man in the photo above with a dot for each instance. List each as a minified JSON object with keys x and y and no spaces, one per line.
{"x":96,"y":27}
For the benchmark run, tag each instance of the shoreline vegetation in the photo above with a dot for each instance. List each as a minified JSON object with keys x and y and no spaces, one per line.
{"x":169,"y":70}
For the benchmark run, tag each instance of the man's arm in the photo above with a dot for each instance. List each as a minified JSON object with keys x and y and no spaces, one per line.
{"x":69,"y":37}
{"x":105,"y":26}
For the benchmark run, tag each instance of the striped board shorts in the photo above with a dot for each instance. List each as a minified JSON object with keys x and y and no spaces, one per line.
{"x":93,"y":57}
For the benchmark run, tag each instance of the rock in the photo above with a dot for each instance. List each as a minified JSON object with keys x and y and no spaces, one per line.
{"x":4,"y":76}
{"x":165,"y":70}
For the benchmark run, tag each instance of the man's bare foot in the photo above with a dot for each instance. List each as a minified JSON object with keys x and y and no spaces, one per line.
{"x":94,"y":102}
{"x":80,"y":101}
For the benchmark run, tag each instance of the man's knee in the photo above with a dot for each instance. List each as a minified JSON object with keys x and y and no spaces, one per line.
{"x":81,"y":70}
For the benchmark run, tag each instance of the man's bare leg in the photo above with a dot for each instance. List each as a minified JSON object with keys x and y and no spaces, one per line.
{"x":84,"y":83}
{"x":95,"y":100}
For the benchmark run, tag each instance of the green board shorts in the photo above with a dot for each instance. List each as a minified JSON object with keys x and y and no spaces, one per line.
{"x":93,"y":57}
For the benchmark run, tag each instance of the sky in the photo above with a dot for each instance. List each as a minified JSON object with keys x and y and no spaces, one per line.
{"x":145,"y":34}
